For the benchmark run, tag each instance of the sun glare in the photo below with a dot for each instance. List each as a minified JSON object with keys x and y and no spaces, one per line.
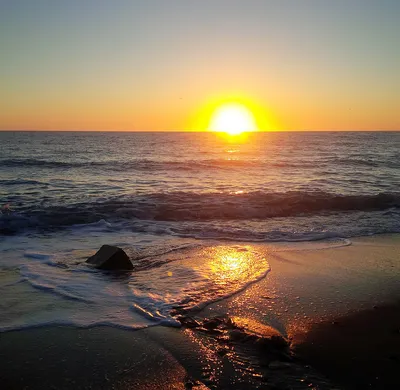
{"x":233,"y":119}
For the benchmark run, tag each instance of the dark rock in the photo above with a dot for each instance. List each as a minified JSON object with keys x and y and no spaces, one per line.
{"x":212,"y":323}
{"x":218,"y":333}
{"x":177,"y":310}
{"x":237,"y":335}
{"x":251,"y":338}
{"x":110,"y":257}
{"x":277,"y":342}
{"x":188,"y":322}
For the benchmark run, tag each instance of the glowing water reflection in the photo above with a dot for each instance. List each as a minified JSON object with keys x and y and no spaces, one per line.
{"x":193,"y":278}
{"x":226,"y":270}
{"x":234,"y":265}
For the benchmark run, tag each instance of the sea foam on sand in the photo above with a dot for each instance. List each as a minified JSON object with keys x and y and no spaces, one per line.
{"x":307,"y":284}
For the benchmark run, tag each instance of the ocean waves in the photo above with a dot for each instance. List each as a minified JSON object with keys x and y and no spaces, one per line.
{"x":130,"y":165}
{"x":254,"y":205}
{"x":191,"y":208}
{"x":225,"y":163}
{"x":270,"y":187}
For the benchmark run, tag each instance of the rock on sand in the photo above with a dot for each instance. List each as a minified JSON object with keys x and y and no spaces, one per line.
{"x":110,"y":257}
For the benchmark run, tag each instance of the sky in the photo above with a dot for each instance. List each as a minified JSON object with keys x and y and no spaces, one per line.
{"x":162,"y":65}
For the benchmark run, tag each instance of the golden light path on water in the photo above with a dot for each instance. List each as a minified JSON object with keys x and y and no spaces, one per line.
{"x":195,"y":277}
{"x":232,"y":265}
{"x":227,"y":269}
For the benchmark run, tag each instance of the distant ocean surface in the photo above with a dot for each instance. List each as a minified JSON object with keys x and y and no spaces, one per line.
{"x":62,"y":195}
{"x":267,"y":187}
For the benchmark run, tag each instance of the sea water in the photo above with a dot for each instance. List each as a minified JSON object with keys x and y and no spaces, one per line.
{"x":185,"y":206}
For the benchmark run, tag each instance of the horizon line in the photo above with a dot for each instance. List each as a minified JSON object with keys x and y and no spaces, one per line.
{"x":196,"y":131}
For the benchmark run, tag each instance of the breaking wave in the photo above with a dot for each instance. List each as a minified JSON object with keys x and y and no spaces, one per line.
{"x":186,"y":207}
{"x":190,"y":165}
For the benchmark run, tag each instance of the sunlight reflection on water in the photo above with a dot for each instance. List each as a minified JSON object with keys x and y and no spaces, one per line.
{"x":234,"y":265}
{"x":192,"y":279}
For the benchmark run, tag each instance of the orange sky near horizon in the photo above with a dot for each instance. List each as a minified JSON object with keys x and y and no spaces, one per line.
{"x":166,"y":66}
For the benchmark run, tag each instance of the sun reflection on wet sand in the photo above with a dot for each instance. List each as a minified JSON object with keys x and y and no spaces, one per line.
{"x":193,"y":278}
{"x":236,"y":265}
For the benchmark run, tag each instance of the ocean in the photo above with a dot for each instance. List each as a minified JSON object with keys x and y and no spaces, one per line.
{"x":165,"y":196}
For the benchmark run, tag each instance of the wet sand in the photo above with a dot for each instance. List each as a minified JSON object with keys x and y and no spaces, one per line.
{"x":313,"y":282}
{"x":359,"y":351}
{"x":318,"y":299}
{"x":97,"y":358}
{"x":312,"y":288}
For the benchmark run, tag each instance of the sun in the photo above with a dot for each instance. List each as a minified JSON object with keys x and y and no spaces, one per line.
{"x":232,"y":118}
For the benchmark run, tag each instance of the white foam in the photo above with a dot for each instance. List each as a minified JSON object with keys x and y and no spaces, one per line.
{"x":74,"y":294}
{"x":37,"y":256}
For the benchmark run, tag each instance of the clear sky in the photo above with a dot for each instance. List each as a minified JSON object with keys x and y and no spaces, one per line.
{"x":157,"y":64}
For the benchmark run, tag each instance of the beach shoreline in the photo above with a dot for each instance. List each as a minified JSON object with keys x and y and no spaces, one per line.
{"x":337,"y":307}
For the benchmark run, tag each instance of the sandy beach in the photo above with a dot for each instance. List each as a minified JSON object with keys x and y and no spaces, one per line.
{"x":330,"y":308}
